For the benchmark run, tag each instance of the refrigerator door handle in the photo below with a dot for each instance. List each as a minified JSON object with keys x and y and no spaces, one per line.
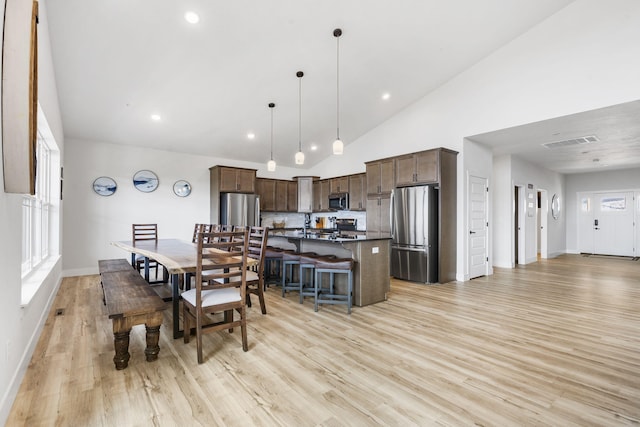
{"x":393,"y":222}
{"x":410,"y":249}
{"x":256,"y":207}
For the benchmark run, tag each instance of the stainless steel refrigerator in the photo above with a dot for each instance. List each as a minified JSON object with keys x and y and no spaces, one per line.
{"x":414,"y":234}
{"x":239,"y":209}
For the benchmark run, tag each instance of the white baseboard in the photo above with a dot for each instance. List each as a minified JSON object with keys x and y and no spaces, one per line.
{"x":88,"y":271}
{"x":15,"y":382}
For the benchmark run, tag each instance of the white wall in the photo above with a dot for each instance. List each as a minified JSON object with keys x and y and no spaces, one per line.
{"x":22,"y":326}
{"x":615,"y":180}
{"x":92,"y":221}
{"x":503,"y":225}
{"x":584,"y":57}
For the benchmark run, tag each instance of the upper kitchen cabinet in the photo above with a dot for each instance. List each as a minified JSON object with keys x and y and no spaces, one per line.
{"x":339,"y":184}
{"x":236,"y":180}
{"x":226,"y":179}
{"x":357,"y":194}
{"x":321,"y":190}
{"x":277,"y":195}
{"x":266,"y":190}
{"x":292,"y":196}
{"x":380,"y":176}
{"x":417,"y":168}
{"x":424,"y":167}
{"x":305,"y":193}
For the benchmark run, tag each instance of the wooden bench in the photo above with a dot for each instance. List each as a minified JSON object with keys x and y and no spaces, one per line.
{"x":130,"y":301}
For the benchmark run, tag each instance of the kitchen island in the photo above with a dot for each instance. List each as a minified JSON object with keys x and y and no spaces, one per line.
{"x":371,"y":274}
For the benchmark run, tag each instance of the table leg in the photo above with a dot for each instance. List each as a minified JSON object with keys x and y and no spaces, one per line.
{"x":146,"y":269}
{"x":175,"y":286}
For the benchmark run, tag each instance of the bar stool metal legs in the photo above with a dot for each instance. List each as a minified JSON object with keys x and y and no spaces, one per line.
{"x":330,"y":295}
{"x":307,"y":288}
{"x":289,"y":260}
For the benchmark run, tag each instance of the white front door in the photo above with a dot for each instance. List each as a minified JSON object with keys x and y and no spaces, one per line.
{"x":606,"y":223}
{"x":613,"y":224}
{"x":478,"y":252}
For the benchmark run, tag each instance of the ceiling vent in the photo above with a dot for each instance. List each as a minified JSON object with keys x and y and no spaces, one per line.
{"x":570,"y":142}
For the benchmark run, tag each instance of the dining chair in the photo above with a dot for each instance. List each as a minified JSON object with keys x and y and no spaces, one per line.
{"x":224,"y":256}
{"x":255,"y":275}
{"x":141,"y":233}
{"x":200,"y":228}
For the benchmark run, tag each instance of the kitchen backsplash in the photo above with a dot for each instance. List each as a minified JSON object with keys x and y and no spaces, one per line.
{"x":296,"y":220}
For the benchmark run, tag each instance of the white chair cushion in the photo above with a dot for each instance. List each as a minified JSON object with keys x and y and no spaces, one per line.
{"x":213,"y":296}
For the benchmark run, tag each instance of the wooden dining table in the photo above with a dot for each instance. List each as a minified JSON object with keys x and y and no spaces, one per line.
{"x":178,"y":257}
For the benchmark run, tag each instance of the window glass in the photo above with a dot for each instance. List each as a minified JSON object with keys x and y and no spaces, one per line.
{"x":35,"y":212}
{"x":613,"y":204}
{"x":586,"y":204}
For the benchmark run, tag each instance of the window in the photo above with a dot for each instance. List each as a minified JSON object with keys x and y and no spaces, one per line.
{"x":36,"y":211}
{"x":613,"y":204}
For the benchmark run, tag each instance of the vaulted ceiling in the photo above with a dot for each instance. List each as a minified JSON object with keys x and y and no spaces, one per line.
{"x":119,"y":62}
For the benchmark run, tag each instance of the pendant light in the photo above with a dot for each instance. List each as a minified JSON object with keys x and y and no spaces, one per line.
{"x":271,"y":164}
{"x":338,"y":146}
{"x":299,"y":155}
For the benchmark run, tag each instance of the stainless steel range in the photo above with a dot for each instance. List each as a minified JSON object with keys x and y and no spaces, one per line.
{"x":346,"y":228}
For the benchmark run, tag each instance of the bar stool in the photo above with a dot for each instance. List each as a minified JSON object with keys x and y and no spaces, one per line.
{"x":289,"y":260}
{"x":273,"y":260}
{"x":333,"y":266}
{"x":307,"y":262}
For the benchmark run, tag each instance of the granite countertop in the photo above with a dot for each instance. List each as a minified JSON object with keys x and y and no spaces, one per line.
{"x":321,"y":235}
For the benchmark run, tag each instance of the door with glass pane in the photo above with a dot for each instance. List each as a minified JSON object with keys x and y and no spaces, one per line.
{"x":607,"y":220}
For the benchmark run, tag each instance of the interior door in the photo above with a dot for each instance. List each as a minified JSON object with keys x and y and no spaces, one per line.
{"x":613,"y":215}
{"x":478,"y":252}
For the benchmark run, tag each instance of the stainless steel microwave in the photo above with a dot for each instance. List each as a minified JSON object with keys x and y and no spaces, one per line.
{"x":339,"y":201}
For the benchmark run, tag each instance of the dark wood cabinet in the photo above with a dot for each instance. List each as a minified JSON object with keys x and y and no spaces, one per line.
{"x":266,"y":190}
{"x":321,"y":190}
{"x":378,"y":216}
{"x":281,"y":196}
{"x":227,"y":179}
{"x":339,"y":184}
{"x":357,"y":194}
{"x":236,"y":180}
{"x":380,"y":178}
{"x":277,"y":195}
{"x":417,"y":168}
{"x":292,"y":196}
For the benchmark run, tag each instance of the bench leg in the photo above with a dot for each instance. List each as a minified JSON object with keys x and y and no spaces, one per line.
{"x":152,"y":350}
{"x":121,"y":344}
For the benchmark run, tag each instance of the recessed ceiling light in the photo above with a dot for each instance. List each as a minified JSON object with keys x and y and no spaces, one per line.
{"x":386,"y":96}
{"x":251,"y":135}
{"x":192,"y":17}
{"x":314,"y":147}
{"x":156,"y":117}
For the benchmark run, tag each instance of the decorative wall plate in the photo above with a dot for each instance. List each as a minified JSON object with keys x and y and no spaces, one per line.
{"x":104,"y":186}
{"x":182,"y":188}
{"x":145,"y":181}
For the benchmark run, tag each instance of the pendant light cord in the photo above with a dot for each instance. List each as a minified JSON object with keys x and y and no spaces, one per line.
{"x":271,"y":131}
{"x":300,"y":113}
{"x":338,"y":86}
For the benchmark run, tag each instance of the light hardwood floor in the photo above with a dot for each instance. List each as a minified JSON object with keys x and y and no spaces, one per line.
{"x":552,"y":343}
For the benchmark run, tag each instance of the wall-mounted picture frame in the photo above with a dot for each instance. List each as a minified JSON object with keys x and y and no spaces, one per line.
{"x":104,"y":186}
{"x":182,"y":188}
{"x":145,"y":181}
